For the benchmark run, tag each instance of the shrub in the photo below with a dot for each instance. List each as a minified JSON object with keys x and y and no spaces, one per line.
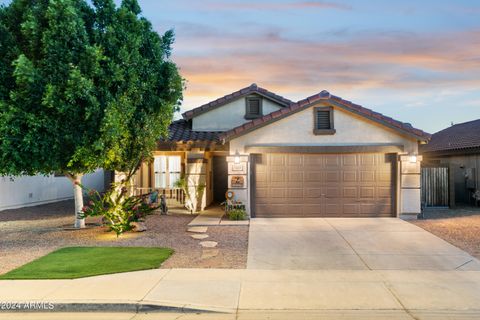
{"x":237,"y":214}
{"x":117,"y":207}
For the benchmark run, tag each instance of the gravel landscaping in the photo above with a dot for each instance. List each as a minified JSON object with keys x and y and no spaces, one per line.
{"x":29,"y":233}
{"x":460,"y":227}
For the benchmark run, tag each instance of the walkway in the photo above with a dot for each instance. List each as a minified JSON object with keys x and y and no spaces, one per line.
{"x":214,"y":216}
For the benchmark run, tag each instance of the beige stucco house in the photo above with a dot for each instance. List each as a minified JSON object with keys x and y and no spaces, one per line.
{"x":321,"y":156}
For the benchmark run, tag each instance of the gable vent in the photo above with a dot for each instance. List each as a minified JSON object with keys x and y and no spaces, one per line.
{"x":323,"y":120}
{"x":254,"y":106}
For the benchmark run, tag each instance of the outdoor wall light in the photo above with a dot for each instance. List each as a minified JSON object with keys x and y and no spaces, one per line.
{"x":237,"y":157}
{"x":412,"y":158}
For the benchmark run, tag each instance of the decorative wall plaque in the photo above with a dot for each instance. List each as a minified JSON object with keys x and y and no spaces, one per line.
{"x":237,"y":168}
{"x":237,"y":181}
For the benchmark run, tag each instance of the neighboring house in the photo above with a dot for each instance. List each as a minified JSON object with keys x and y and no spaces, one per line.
{"x":458,"y":149}
{"x":23,"y":191}
{"x":321,"y":156}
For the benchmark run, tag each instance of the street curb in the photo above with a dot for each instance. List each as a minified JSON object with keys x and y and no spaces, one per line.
{"x":109,"y":307}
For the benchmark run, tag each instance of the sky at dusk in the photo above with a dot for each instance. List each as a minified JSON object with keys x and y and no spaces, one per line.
{"x":416,"y":61}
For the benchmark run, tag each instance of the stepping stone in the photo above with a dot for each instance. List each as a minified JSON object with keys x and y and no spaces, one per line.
{"x":197,"y":229}
{"x":199,"y":236}
{"x":209,"y":253}
{"x":208,"y":244}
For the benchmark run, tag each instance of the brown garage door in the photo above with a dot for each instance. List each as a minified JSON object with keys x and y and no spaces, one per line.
{"x":323,"y":185}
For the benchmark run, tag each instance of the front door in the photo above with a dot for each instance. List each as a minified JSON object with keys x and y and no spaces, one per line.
{"x":220,"y":178}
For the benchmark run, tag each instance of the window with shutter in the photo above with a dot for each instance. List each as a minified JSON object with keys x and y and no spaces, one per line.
{"x":323,"y":119}
{"x":253,"y":107}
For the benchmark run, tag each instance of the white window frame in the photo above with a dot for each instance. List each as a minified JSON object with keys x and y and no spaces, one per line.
{"x":166,"y":170}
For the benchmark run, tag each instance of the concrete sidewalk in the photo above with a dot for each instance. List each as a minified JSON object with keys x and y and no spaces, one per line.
{"x":393,"y":293}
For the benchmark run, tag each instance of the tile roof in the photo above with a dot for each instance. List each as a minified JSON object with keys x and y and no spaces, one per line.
{"x":404,"y":128}
{"x":253,"y":88}
{"x":457,"y":137}
{"x":181,"y":131}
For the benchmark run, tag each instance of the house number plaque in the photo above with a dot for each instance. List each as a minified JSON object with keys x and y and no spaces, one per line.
{"x":237,"y":182}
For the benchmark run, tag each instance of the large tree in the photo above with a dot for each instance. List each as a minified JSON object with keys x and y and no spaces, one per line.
{"x":82,"y":88}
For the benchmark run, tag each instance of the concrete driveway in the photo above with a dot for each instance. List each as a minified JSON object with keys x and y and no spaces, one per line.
{"x":350,"y":244}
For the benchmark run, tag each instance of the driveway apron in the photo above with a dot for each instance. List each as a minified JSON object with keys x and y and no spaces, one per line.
{"x":350,"y":244}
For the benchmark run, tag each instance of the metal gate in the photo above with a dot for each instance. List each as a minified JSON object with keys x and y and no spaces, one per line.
{"x":434,"y":186}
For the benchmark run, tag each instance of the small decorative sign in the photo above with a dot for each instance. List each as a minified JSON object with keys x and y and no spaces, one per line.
{"x":237,"y":182}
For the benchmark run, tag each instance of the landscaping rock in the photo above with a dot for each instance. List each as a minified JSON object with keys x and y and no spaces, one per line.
{"x":139,"y":227}
{"x":208,"y":244}
{"x":197,"y":229}
{"x":209,"y":253}
{"x":199,"y":236}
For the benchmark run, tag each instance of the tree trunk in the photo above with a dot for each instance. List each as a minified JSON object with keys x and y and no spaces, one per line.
{"x":78,"y":196}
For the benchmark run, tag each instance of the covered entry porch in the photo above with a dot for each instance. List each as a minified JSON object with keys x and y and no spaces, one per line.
{"x":191,"y":179}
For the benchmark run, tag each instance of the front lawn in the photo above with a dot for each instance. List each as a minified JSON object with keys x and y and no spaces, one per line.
{"x":78,"y":262}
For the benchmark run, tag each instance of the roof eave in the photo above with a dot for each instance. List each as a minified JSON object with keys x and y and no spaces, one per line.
{"x":228,"y":137}
{"x":233,"y":98}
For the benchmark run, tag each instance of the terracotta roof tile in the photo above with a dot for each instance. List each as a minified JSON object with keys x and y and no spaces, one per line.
{"x":253,"y":88}
{"x":180,"y":131}
{"x":457,"y":137}
{"x":325,"y":95}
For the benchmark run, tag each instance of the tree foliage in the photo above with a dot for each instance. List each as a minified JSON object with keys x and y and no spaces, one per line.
{"x":82,"y":86}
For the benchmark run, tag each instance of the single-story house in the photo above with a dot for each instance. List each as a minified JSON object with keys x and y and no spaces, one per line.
{"x":458,"y":149}
{"x":319,"y":157}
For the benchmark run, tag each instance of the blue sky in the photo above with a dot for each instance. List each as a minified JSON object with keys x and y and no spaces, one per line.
{"x":416,"y":61}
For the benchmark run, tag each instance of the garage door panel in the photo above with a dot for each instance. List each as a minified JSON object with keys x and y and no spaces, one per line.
{"x":277,"y":160}
{"x":277,"y":193}
{"x":384,"y":176}
{"x":295,"y":160}
{"x":367,"y":176}
{"x":315,"y":161}
{"x":296,"y":176}
{"x":313,"y":176}
{"x":261,"y":193}
{"x":349,"y":160}
{"x":333,"y":210}
{"x":350,"y":192}
{"x":312,"y":192}
{"x":384,"y":192}
{"x":332,"y":176}
{"x":295,"y":193}
{"x":349,"y":176}
{"x":350,"y":209}
{"x":333,"y":192}
{"x":367,"y":160}
{"x":332,"y":160}
{"x":312,"y":210}
{"x":367,"y":192}
{"x":375,"y":210}
{"x":339,"y":185}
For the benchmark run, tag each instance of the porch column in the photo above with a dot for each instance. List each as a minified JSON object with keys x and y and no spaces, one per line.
{"x":195,"y":175}
{"x":409,"y":178}
{"x":238,"y":179}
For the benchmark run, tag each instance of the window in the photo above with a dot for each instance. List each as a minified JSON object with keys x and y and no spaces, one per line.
{"x":323,"y":120}
{"x":253,"y":107}
{"x":167,"y":171}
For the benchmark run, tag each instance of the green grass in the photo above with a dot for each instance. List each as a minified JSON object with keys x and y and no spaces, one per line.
{"x":78,"y":262}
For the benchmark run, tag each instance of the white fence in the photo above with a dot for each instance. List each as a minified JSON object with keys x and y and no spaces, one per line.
{"x":26,"y":191}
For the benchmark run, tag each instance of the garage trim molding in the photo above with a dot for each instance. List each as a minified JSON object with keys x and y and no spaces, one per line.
{"x":380,"y":148}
